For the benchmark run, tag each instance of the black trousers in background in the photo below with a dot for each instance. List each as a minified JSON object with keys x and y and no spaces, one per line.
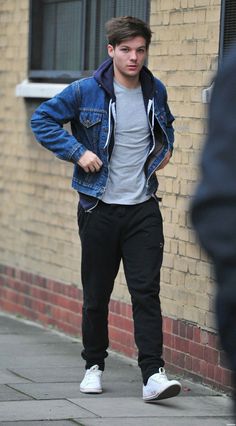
{"x":133,"y":234}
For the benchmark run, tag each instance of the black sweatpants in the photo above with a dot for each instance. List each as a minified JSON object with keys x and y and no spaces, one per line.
{"x":134,"y":234}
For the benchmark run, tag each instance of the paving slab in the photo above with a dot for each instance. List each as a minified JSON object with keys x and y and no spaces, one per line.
{"x":9,"y":394}
{"x":49,"y":390}
{"x":17,"y":325}
{"x":176,"y":407}
{"x":43,"y":423}
{"x":33,"y":361}
{"x":10,"y":377}
{"x":42,"y":410}
{"x":71,"y":390}
{"x":158,"y":421}
{"x":37,"y":349}
{"x":116,"y":389}
{"x":50,"y":374}
{"x":37,"y":338}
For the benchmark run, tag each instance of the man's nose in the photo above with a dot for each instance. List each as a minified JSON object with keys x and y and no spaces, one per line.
{"x":133,"y":55}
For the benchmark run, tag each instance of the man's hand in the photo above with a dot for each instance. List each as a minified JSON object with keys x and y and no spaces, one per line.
{"x":90,"y":162}
{"x":165,"y":161}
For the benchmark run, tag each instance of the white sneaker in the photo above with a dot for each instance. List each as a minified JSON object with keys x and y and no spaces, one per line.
{"x":92,"y":381}
{"x":159,"y":387}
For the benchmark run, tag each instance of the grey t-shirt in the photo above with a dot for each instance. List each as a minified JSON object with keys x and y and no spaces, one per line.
{"x":126,"y":180}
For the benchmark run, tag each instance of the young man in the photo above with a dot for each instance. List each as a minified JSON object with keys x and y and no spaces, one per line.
{"x":122,"y":133}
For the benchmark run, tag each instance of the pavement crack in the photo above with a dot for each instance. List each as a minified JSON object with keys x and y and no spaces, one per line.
{"x":21,"y":392}
{"x":20,"y":375}
{"x":83,"y":408}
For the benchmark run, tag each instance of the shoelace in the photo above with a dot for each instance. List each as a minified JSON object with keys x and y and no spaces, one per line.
{"x":161,"y":376}
{"x":93,"y":371}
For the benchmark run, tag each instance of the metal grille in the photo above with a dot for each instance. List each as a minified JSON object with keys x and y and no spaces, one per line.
{"x":228,"y":26}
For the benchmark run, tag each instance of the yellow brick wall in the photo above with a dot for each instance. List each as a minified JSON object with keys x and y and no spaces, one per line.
{"x":38,"y":208}
{"x":184,"y":55}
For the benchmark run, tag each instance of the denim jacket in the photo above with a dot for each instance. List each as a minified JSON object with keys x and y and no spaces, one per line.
{"x":89,"y":105}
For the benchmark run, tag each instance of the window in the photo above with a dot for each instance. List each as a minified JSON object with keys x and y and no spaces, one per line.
{"x":67,"y":37}
{"x":228,"y":26}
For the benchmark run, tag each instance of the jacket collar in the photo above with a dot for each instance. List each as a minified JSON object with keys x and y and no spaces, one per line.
{"x":105,"y":76}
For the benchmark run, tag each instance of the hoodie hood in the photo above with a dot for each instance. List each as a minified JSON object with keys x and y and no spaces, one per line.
{"x":104,"y":75}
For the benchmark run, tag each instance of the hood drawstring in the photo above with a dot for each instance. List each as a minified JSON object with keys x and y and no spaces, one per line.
{"x":109,"y":123}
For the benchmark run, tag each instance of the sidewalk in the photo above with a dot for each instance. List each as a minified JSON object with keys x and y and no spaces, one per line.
{"x":40,"y":371}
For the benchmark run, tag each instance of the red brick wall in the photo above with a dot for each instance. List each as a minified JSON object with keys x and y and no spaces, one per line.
{"x":188,"y":349}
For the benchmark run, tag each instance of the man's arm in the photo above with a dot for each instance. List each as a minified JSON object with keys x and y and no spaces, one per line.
{"x":169,"y":125}
{"x":47,"y":125}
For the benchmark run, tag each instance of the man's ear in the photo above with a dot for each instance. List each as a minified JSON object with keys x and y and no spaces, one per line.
{"x":110,"y":50}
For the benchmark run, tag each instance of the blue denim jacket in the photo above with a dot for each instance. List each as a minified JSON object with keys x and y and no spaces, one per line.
{"x":89,"y":105}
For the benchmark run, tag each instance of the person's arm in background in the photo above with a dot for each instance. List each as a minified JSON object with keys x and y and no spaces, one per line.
{"x":214,"y":203}
{"x":213,"y":209}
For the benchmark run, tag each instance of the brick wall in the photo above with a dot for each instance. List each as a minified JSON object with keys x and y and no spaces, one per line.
{"x":39,"y":244}
{"x":38,"y":208}
{"x":184,"y":55}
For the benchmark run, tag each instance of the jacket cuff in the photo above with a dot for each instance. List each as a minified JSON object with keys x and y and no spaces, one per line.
{"x":77,"y":154}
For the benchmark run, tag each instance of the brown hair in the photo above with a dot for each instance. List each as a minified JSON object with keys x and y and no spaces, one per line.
{"x":125,"y":27}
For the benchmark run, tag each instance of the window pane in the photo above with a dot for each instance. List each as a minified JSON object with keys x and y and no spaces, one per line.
{"x":107,"y":10}
{"x":62,"y":47}
{"x":69,"y":36}
{"x":229,"y":24}
{"x":91,"y":39}
{"x":137,"y":8}
{"x":48,"y":42}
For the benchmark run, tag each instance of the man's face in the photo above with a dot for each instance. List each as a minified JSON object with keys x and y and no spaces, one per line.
{"x":128,"y":59}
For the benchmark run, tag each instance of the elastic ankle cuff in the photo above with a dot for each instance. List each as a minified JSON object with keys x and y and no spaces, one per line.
{"x":101,"y":366}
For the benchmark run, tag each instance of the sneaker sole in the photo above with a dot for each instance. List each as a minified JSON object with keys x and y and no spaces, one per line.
{"x":84,"y":390}
{"x":170,"y":392}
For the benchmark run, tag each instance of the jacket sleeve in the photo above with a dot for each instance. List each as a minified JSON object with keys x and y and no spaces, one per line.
{"x":214,"y":204}
{"x":162,"y":103}
{"x":169,"y":126}
{"x":48,"y":120}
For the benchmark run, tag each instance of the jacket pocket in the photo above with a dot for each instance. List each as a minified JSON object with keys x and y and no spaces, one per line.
{"x":91,"y":123}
